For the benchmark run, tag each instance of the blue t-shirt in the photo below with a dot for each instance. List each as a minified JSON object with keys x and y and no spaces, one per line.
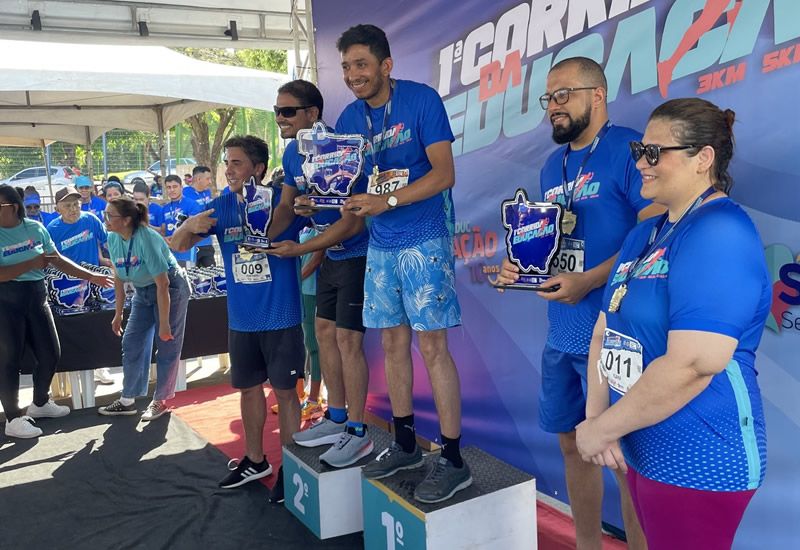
{"x":202,"y":200}
{"x":256,"y":307}
{"x":353,"y":247}
{"x":417,"y":120}
{"x":96,"y":206}
{"x":171,"y":212}
{"x":155,"y":213}
{"x":308,"y":286}
{"x":79,"y":241}
{"x":709,"y":275}
{"x":23,"y":242}
{"x":607,"y":202}
{"x":44,"y":218}
{"x":149,"y":256}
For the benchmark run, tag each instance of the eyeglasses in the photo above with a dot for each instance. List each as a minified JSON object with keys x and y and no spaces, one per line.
{"x":108,"y":216}
{"x":560,"y":96}
{"x":71,"y":205}
{"x":288,"y":112}
{"x":33,"y":206}
{"x":652,"y":152}
{"x":6,"y":204}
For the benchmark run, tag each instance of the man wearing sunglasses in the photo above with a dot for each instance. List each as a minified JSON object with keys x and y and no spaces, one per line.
{"x":593,"y":177}
{"x":340,"y":290}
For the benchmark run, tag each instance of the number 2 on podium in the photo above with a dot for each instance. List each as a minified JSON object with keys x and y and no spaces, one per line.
{"x":302,"y":490}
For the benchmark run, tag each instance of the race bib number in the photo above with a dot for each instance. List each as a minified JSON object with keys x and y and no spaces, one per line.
{"x":251,"y":269}
{"x":569,"y":258}
{"x":620,"y":361}
{"x":388,"y":182}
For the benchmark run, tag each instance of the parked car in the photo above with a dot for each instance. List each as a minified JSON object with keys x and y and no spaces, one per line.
{"x":60,"y":176}
{"x":148,"y":176}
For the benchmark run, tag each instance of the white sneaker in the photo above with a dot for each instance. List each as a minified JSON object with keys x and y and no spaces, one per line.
{"x":103,"y":376}
{"x":48,"y":410}
{"x":22,"y":427}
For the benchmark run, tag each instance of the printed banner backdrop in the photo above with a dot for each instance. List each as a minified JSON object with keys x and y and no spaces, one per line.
{"x":489,"y":61}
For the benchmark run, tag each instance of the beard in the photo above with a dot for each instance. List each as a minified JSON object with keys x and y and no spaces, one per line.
{"x":575,"y":127}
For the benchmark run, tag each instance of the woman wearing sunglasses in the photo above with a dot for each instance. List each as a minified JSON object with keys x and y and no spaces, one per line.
{"x":675,"y":401}
{"x":25,"y":318}
{"x":141,"y":256}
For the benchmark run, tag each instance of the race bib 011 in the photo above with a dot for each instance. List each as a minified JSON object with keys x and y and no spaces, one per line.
{"x":621,"y":361}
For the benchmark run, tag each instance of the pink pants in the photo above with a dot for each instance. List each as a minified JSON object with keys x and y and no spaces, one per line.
{"x":679,"y":518}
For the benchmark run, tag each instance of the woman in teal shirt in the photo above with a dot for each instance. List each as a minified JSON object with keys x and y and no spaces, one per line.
{"x":25,"y":317}
{"x":140,"y":256}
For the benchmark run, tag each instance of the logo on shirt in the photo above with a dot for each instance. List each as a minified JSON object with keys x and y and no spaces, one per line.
{"x":654,"y":266}
{"x":82,"y":237}
{"x":233,"y":234}
{"x":393,"y":137}
{"x":119,"y":263}
{"x":585,"y":189}
{"x":18,"y":248}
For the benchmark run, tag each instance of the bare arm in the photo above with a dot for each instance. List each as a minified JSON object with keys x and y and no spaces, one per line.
{"x":440,"y":177}
{"x":11,"y":272}
{"x":312,"y":264}
{"x":347,"y":226}
{"x":74,"y":270}
{"x":163,"y":301}
{"x":186,"y":236}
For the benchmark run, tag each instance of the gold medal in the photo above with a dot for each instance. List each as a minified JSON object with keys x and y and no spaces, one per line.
{"x":245,"y":253}
{"x":616,"y":298}
{"x":568,"y":222}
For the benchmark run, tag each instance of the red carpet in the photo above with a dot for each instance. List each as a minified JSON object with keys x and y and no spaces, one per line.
{"x":213,"y":412}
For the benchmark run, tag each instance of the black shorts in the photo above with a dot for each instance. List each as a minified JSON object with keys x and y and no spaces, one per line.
{"x":274,"y":355}
{"x":340,"y":292}
{"x":205,"y":256}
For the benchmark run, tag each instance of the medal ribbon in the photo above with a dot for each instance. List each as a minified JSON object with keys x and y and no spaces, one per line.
{"x":568,"y":190}
{"x":656,"y":239}
{"x":128,"y":256}
{"x":370,"y":133}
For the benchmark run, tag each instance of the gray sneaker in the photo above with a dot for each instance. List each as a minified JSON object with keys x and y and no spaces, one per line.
{"x":442,"y":482}
{"x":392,"y":460}
{"x":154,"y":410}
{"x":348,"y":450}
{"x":323,"y":432}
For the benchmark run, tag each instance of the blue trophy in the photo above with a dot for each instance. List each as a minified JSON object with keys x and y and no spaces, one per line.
{"x":68,"y":296}
{"x":333,"y":163}
{"x":258,"y":214}
{"x":533,"y":238}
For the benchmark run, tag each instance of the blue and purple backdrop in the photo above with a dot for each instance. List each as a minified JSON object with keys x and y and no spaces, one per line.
{"x":489,"y":61}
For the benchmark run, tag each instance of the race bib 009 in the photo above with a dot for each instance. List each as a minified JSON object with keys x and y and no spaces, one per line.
{"x":251,"y":269}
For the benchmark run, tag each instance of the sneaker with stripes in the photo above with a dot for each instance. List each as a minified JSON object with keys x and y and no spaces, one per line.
{"x":243,"y":471}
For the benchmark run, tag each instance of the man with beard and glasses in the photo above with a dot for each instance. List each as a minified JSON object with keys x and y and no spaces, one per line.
{"x":594,"y":178}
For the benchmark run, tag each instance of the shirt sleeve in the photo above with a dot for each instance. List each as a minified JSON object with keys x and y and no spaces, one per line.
{"x":47,"y":242}
{"x":434,"y":122}
{"x":716,"y":274}
{"x":156,"y":252}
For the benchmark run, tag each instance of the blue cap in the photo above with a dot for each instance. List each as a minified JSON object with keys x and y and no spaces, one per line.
{"x":31,"y":199}
{"x":82,"y":181}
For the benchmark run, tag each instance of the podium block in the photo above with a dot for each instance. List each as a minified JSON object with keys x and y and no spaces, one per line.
{"x":326,"y":500}
{"x":497,"y":511}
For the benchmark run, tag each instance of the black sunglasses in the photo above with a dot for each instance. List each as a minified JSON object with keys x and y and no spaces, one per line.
{"x":652,"y":152}
{"x":288,"y":112}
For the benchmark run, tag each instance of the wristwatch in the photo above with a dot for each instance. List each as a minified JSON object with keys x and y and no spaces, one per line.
{"x":391,"y":200}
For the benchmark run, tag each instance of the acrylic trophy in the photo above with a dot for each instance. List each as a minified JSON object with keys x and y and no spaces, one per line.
{"x":333,"y":164}
{"x":533,"y":237}
{"x":258,"y":214}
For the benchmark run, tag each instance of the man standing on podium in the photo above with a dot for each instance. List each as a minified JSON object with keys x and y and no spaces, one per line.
{"x":410,"y":277}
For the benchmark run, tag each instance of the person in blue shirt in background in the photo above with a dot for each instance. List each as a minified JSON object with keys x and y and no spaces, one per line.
{"x":141,"y":256}
{"x":89,"y":201}
{"x":200,"y":192}
{"x":410,"y":160}
{"x":178,"y":209}
{"x":155,"y":214}
{"x":264,"y":309}
{"x":676,"y":402}
{"x":33,"y":207}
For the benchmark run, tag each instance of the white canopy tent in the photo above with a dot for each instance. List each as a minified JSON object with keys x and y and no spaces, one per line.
{"x":76,"y":92}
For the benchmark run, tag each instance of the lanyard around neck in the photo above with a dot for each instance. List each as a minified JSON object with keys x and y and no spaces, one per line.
{"x":656,"y":238}
{"x":567,"y":188}
{"x":128,"y":256}
{"x":370,"y":132}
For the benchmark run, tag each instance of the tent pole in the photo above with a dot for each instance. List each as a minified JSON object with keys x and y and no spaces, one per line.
{"x":105,"y":157}
{"x":89,"y":163}
{"x":46,"y":154}
{"x":312,"y":50}
{"x":160,"y":116}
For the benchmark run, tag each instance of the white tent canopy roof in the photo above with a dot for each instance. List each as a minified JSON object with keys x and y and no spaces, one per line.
{"x":75,"y":92}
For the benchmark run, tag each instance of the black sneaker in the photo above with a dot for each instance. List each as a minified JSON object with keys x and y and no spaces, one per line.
{"x":276,"y":495}
{"x":244,"y":471}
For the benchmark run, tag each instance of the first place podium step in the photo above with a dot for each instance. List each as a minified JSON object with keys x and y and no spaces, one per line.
{"x":498,"y":511}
